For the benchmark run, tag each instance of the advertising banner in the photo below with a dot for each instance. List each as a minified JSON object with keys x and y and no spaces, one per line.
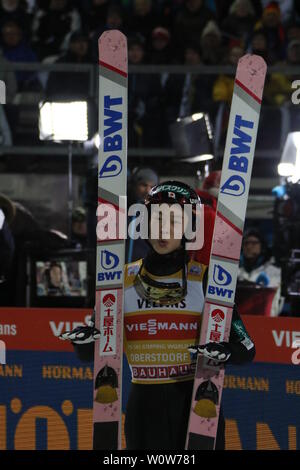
{"x":46,"y":392}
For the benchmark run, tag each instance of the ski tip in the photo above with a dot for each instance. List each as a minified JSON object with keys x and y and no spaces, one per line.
{"x":113,"y":51}
{"x":251,"y":73}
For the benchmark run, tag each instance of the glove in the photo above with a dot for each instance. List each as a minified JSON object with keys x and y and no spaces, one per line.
{"x":219,"y":352}
{"x":82,"y":334}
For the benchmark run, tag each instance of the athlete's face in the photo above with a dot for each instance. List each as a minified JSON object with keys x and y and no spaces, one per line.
{"x":167,"y":228}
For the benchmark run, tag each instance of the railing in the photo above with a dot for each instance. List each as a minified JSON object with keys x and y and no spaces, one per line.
{"x":150,"y":152}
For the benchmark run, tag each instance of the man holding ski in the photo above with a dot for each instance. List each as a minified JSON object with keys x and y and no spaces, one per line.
{"x":157,"y":304}
{"x":164,"y":298}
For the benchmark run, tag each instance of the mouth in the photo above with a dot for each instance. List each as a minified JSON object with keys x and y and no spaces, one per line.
{"x":162,"y":243}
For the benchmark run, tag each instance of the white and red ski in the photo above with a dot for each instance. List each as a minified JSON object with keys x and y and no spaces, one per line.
{"x":112,"y":177}
{"x":226,"y":246}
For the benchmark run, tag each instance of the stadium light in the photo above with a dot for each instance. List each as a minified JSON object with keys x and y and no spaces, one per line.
{"x":64,"y":121}
{"x":289,"y":165}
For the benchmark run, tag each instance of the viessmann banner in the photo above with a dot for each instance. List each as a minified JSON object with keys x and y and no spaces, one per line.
{"x":46,"y":392}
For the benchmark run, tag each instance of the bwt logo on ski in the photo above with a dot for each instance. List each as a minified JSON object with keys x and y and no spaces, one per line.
{"x":221,"y":277}
{"x":235,"y":185}
{"x":112,"y":141}
{"x":108,"y":262}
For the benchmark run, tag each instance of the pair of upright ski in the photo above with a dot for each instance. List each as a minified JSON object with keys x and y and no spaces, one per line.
{"x":225,"y":253}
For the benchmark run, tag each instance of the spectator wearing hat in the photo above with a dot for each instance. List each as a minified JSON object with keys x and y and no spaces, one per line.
{"x":270,"y":23}
{"x":286,"y":8}
{"x":223,"y":7}
{"x":240,"y":21}
{"x":161,"y":52}
{"x":53,"y":26}
{"x":68,"y":84}
{"x":257,"y":266}
{"x":212,"y":50}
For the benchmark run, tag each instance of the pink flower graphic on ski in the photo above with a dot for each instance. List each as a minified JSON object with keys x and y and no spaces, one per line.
{"x":106,"y":385}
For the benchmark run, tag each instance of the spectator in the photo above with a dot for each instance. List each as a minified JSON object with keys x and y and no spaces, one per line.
{"x":16,"y":10}
{"x":113,"y":20}
{"x":278,"y":86}
{"x":241,"y":19}
{"x":95,"y":16}
{"x":52,"y":27}
{"x":272,"y":27}
{"x":69,"y":84}
{"x":257,"y":265}
{"x":144,"y":101}
{"x":223,"y":86}
{"x":143,"y":19}
{"x":190,"y":22}
{"x":79,"y":227}
{"x":142,"y":180}
{"x":15,"y":49}
{"x":223,"y":6}
{"x":161,"y":51}
{"x":189,"y":93}
{"x":259,"y":45}
{"x":293,"y":31}
{"x":286,"y":8}
{"x":211,"y":44}
{"x":293,"y":52}
{"x":8,"y":77}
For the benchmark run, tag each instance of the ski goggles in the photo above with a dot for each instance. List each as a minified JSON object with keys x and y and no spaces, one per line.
{"x":164,"y":293}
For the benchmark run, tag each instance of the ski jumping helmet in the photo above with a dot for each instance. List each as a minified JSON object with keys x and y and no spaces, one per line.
{"x":174,"y":192}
